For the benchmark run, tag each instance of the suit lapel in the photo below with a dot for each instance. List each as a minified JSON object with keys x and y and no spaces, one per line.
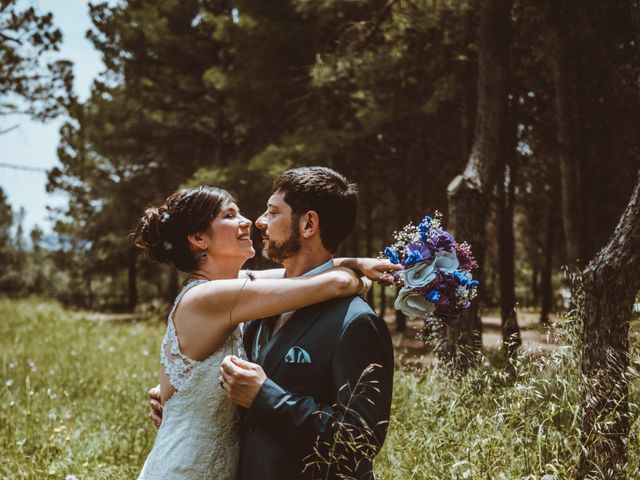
{"x":274,"y":351}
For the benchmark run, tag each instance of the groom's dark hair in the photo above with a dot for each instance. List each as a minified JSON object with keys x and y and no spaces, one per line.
{"x":328,"y":193}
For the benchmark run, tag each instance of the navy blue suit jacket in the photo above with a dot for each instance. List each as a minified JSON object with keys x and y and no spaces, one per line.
{"x":320,"y":401}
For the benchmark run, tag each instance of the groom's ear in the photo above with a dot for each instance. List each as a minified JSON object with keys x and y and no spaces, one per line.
{"x":309,"y":224}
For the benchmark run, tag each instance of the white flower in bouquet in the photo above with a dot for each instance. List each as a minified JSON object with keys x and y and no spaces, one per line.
{"x":425,"y":272}
{"x":420,"y":274}
{"x":412,"y":304}
{"x":446,"y":262}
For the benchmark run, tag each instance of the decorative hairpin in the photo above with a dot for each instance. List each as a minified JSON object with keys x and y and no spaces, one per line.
{"x":167,"y":245}
{"x":164,"y":218}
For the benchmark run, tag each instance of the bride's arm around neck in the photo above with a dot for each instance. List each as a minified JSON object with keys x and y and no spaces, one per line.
{"x":238,"y":300}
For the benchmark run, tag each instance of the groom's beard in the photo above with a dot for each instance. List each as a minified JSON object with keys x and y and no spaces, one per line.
{"x":277,"y":252}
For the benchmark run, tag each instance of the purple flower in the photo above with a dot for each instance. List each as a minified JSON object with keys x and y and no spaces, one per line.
{"x":467,"y":261}
{"x":416,"y":252}
{"x":443,"y":241}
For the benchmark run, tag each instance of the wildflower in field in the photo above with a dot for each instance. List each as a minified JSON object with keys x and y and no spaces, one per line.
{"x":9,"y":382}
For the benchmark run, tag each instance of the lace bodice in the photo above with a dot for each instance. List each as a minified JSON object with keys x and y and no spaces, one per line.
{"x":199,"y":437}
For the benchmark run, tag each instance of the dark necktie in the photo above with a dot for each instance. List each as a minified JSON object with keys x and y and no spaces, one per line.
{"x":266,"y":331}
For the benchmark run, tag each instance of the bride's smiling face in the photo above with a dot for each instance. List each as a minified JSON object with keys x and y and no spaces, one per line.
{"x":230,"y":234}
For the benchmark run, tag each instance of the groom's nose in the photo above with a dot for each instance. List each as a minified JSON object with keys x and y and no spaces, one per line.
{"x":261,"y":221}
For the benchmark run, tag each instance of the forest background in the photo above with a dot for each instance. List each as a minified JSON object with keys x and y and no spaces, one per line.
{"x":518,"y":119}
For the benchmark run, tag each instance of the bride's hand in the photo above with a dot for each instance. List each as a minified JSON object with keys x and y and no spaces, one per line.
{"x":380,"y":271}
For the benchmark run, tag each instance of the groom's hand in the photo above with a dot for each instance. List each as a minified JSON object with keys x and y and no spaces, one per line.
{"x":156,"y":406}
{"x":241,"y":380}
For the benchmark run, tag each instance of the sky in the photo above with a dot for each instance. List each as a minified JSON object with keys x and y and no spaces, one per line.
{"x":33,"y":143}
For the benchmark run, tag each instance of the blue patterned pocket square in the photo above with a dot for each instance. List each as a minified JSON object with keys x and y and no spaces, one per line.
{"x":297,"y":355}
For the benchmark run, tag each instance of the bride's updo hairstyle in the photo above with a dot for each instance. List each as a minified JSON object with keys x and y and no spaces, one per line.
{"x":162,"y":231}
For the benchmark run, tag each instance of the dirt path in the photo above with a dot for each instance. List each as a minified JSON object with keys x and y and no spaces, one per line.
{"x":534,"y":338}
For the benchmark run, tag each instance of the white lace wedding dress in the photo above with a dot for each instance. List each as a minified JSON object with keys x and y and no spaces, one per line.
{"x":199,"y":437}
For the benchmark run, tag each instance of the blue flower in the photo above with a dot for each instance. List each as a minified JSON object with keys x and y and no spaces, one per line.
{"x":433,"y":296}
{"x":473,"y":283}
{"x":460,"y":277}
{"x":414,"y":253}
{"x":424,"y":228}
{"x":413,"y":258}
{"x":392,"y":255}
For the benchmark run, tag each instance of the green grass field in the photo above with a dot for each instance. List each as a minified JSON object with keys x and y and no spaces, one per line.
{"x":73,"y":403}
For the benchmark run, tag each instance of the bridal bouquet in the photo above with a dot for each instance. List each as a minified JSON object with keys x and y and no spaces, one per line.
{"x":437,"y":271}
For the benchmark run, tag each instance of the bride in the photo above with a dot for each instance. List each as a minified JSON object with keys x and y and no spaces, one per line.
{"x":202,"y":232}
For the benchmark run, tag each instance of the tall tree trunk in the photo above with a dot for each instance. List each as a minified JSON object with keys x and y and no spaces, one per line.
{"x":468,"y":193}
{"x":607,"y":310}
{"x":535,"y":283}
{"x":469,"y":81}
{"x":133,"y":273}
{"x":611,"y":283}
{"x":635,"y":17}
{"x":511,"y":340}
{"x":547,"y":269}
{"x":564,"y":61}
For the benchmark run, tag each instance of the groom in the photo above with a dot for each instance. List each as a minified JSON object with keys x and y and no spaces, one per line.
{"x":317,"y":389}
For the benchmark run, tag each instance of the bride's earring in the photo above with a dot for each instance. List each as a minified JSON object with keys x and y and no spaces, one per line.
{"x":203,"y":254}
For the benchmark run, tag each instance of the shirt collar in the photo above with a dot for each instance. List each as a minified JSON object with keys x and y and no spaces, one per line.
{"x":321,"y":268}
